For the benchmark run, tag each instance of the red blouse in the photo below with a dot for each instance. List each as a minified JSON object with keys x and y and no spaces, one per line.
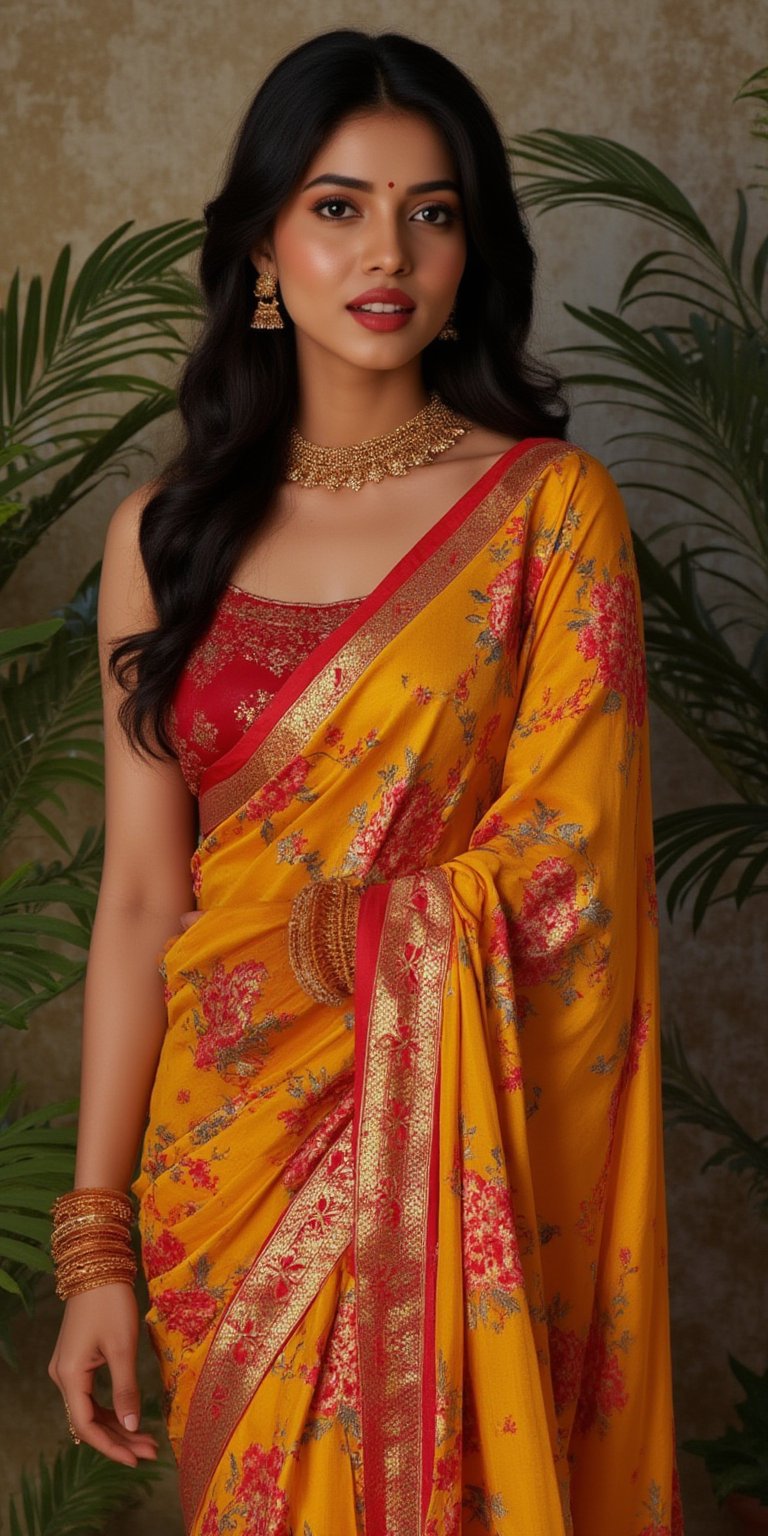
{"x":251,"y":645}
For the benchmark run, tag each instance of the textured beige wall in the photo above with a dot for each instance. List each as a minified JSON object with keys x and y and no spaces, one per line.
{"x":124,"y":110}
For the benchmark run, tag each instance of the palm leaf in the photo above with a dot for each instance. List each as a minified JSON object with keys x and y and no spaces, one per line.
{"x":32,"y":970}
{"x":20,"y":642}
{"x":50,"y":714}
{"x":732,"y":834}
{"x":95,"y":452}
{"x":582,"y":168}
{"x":689,"y":1098}
{"x":128,"y":301}
{"x":37,"y":1162}
{"x":695,"y":677}
{"x":79,"y":1492}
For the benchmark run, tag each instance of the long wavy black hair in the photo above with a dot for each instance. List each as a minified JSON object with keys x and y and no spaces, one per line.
{"x":238,"y":388}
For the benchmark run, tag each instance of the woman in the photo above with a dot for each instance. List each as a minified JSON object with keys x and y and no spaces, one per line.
{"x":401,"y":1192}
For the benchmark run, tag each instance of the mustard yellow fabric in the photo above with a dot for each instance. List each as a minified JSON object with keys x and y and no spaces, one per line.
{"x":407,"y":1257}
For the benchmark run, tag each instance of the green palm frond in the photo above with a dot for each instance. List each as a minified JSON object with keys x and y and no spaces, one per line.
{"x":128,"y":301}
{"x":32,"y":970}
{"x":582,"y":168}
{"x":79,"y":1492}
{"x":689,"y":1098}
{"x":30,"y":637}
{"x":96,"y":464}
{"x":755,"y":88}
{"x":714,"y":395}
{"x":51,"y":718}
{"x":37,"y":1162}
{"x":732,"y":835}
{"x":9,"y":509}
{"x":696,"y":678}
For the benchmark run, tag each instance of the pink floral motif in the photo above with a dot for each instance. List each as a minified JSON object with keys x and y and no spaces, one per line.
{"x":503,"y":592}
{"x":402,"y":833}
{"x":389,"y":1209}
{"x":200,"y":1173}
{"x":407,"y":966}
{"x":298,"y":1168}
{"x":228,"y":999}
{"x":611,"y":636}
{"x":403,"y":1043}
{"x":603,"y":1388}
{"x":638,"y":1035}
{"x":656,"y":1506}
{"x":489,"y":1239}
{"x":161,"y":1254}
{"x":245,"y":1346}
{"x":338,"y":1381}
{"x":258,"y":1488}
{"x":210,"y":1525}
{"x":492,"y":826}
{"x":547,"y":922}
{"x":189,"y":1312}
{"x":486,"y":735}
{"x":566,"y":1352}
{"x":534,"y":574}
{"x":280,"y":791}
{"x":450,"y":1521}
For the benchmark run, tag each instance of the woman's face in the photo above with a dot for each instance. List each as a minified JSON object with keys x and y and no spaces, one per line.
{"x":333,"y":241}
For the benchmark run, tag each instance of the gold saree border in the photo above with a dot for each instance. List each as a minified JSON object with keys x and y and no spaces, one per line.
{"x":302,"y":1250}
{"x":397,"y":1122}
{"x":303,"y":717}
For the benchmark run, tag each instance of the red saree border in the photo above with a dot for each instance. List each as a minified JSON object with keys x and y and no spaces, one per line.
{"x":304,"y":1246}
{"x":315,"y":688}
{"x":402,"y":951}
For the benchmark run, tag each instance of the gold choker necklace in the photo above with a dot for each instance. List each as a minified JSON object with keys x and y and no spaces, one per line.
{"x":418,"y":441}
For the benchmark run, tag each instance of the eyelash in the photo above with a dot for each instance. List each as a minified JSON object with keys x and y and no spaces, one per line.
{"x":443,"y":207}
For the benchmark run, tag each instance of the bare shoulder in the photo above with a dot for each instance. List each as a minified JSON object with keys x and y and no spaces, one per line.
{"x":124,"y":593}
{"x":126,"y":519}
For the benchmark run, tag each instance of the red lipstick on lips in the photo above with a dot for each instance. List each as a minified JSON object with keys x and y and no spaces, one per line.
{"x":374,"y":322}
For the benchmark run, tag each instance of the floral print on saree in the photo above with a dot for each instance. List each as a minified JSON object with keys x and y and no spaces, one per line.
{"x":407,"y":1257}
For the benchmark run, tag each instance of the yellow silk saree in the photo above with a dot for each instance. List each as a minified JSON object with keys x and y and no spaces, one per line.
{"x":407,"y":1255}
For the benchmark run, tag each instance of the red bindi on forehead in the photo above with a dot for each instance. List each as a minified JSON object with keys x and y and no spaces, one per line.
{"x":390,"y":183}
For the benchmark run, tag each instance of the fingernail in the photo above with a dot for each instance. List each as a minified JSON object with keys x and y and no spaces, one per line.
{"x":131,"y":1421}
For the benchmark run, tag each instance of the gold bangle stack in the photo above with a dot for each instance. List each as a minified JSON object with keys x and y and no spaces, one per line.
{"x":91,"y":1239}
{"x":322,"y":931}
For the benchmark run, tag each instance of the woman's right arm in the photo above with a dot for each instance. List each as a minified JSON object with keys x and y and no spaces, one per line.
{"x":146,"y":885}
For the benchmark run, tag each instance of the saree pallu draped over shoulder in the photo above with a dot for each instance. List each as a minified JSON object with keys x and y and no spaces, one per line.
{"x":407,"y":1257}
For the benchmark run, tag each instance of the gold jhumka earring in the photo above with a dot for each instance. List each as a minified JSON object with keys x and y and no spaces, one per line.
{"x":266,"y":316}
{"x":449,"y":331}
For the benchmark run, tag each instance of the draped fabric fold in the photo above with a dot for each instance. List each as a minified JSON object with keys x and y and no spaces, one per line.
{"x":407,"y":1258}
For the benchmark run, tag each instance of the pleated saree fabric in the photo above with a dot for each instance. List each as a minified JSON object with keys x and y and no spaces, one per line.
{"x":407,"y":1257}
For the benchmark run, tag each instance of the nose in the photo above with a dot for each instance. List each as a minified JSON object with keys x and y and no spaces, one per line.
{"x":386,"y":245}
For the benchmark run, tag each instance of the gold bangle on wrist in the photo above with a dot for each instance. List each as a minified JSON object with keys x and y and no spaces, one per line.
{"x":91,"y":1239}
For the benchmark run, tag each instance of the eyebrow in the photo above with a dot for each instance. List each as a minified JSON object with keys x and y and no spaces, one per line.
{"x":367,"y":186}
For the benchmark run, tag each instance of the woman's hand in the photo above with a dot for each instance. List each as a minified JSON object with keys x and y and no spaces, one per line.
{"x":101,"y":1327}
{"x":188,"y":918}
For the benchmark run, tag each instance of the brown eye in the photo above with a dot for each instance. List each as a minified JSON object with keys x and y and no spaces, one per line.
{"x":331,"y":202}
{"x":449,"y":212}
